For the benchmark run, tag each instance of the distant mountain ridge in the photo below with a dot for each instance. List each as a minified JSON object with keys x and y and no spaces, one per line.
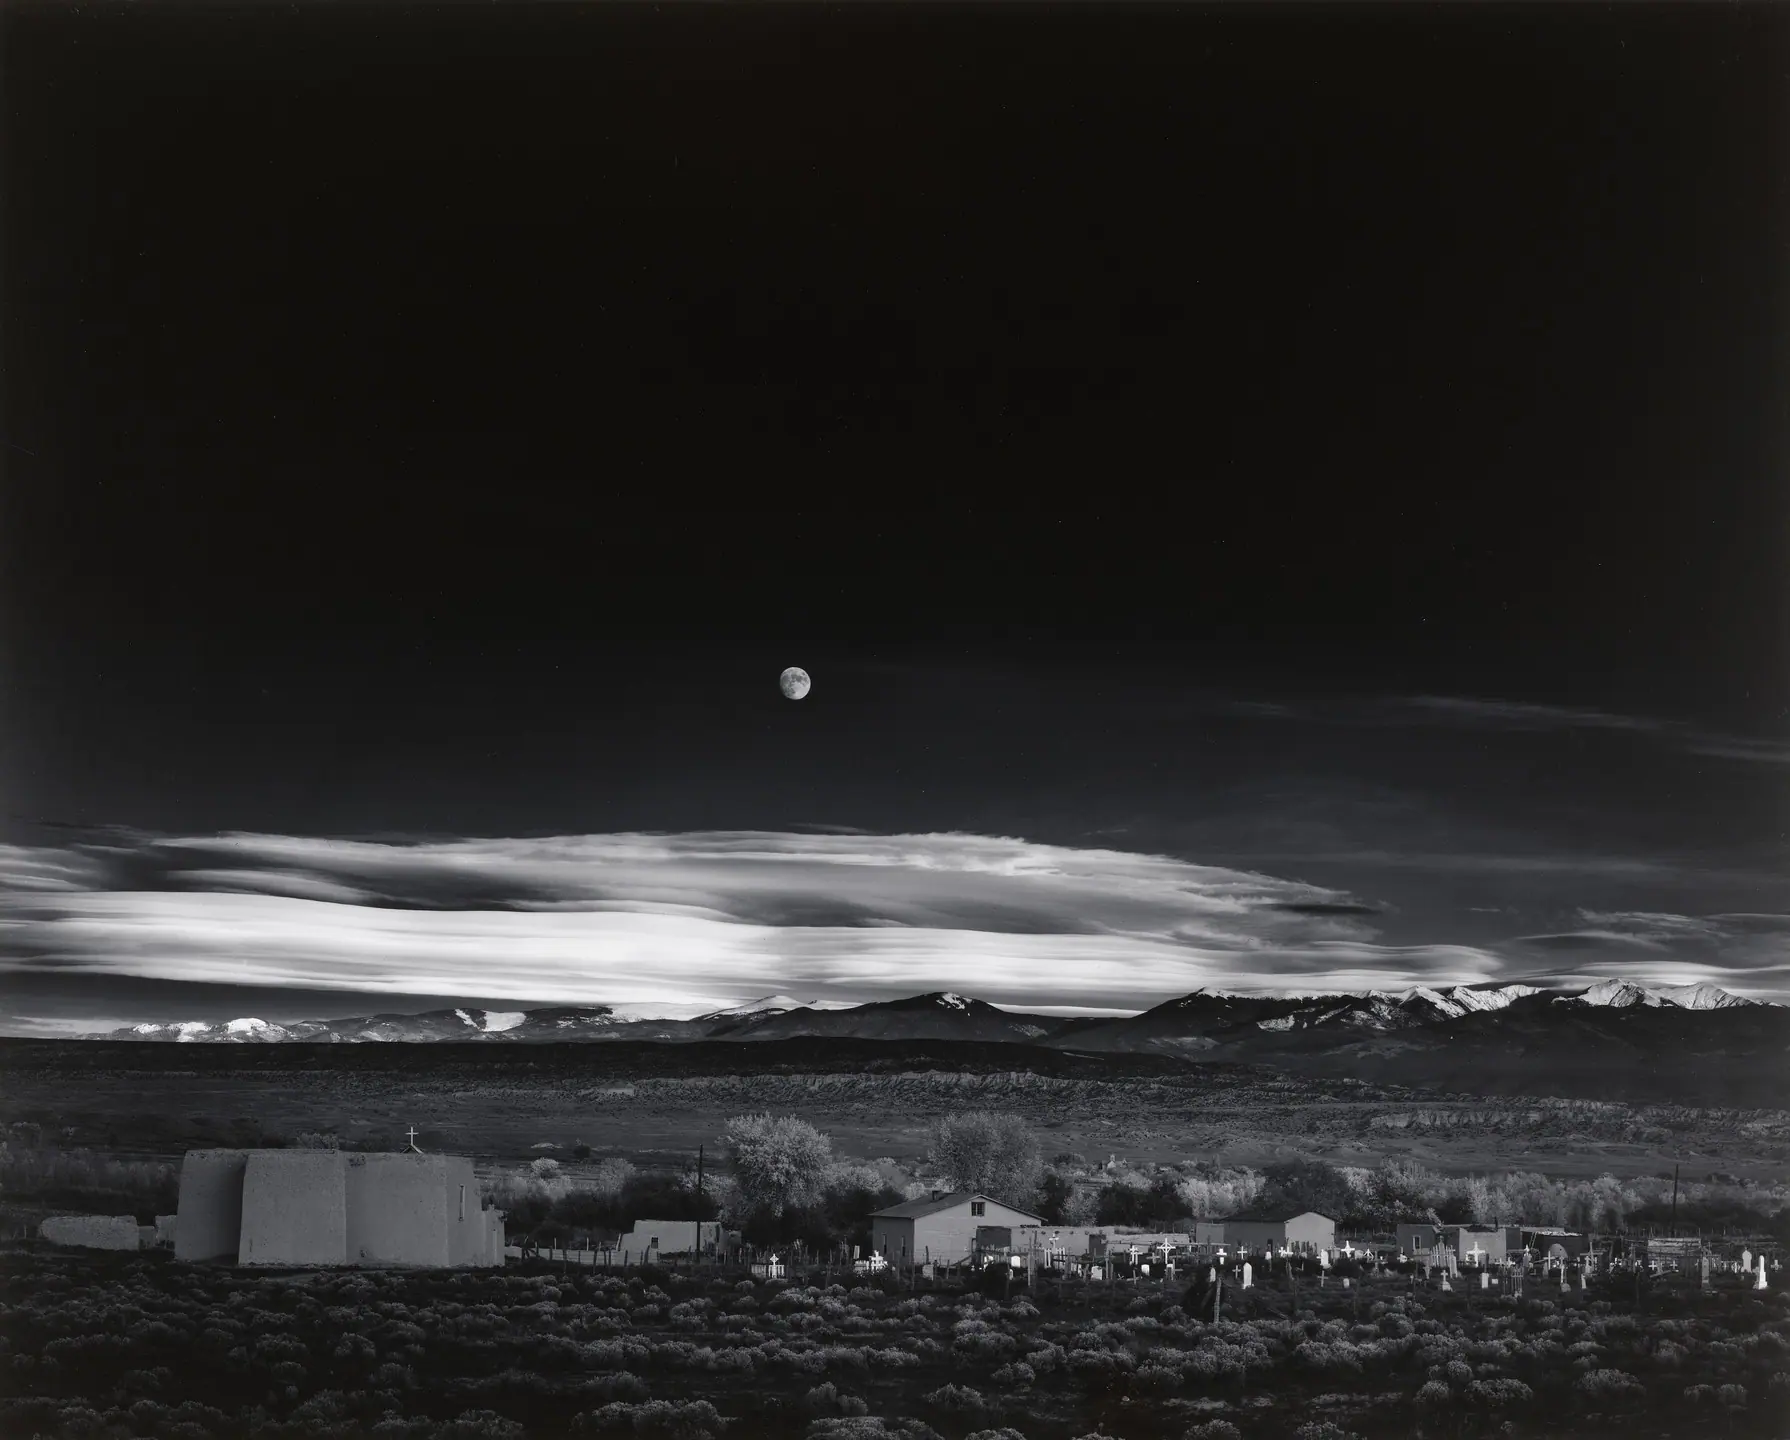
{"x":1202,"y":1020}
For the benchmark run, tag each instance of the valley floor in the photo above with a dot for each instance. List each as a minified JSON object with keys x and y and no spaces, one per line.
{"x":504,"y":1107}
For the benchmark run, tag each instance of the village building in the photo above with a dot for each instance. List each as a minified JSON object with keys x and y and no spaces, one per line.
{"x":1304,"y":1233}
{"x":945,"y":1228}
{"x":652,"y":1238}
{"x":330,"y":1207}
{"x":1543,"y":1241}
{"x":1483,"y":1244}
{"x":1418,"y":1239}
{"x":95,"y":1232}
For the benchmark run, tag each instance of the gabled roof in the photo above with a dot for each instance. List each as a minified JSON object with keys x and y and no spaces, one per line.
{"x":1273,"y":1217}
{"x":933,"y":1204}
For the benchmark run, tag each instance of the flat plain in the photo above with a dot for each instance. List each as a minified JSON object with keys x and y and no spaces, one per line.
{"x":655,"y":1104}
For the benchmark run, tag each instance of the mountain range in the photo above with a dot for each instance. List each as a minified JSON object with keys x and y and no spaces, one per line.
{"x":1615,"y":1041}
{"x":1204,"y":1020}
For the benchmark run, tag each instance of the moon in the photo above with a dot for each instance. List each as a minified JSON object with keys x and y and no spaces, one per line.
{"x":794,"y":682}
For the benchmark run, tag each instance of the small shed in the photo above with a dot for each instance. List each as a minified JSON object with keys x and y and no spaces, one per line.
{"x":1483,"y":1244}
{"x":941,"y":1227}
{"x":1417,"y":1239}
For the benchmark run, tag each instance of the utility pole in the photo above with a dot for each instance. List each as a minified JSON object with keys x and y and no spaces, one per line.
{"x":699,"y":1183}
{"x":1674,"y":1198}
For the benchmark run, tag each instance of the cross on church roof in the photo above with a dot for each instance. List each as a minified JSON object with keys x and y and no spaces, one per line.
{"x":413,"y":1144}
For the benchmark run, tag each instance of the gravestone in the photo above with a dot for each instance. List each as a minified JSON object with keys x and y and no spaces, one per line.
{"x":1249,"y":1276}
{"x":1761,"y":1285}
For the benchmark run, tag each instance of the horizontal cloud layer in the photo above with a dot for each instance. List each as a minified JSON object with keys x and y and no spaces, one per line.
{"x":690,"y":920}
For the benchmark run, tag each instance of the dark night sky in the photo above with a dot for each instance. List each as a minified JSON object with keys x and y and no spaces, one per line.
{"x":449,"y":420}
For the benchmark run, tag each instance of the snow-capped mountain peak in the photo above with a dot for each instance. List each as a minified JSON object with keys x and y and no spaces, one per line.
{"x":1619,"y":994}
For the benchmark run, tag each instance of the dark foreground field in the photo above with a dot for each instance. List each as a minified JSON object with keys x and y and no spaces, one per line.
{"x":139,"y":1345}
{"x":875,"y":1098}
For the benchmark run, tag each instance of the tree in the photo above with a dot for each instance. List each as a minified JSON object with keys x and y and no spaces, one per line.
{"x":996,"y":1154}
{"x":779,"y":1163}
{"x":1055,"y":1195}
{"x":1159,"y":1203}
{"x":1306,"y":1185}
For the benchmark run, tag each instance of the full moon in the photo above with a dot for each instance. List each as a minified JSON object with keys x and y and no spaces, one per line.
{"x":794,"y":682}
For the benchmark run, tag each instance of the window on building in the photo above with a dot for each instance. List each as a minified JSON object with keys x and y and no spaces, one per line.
{"x":978,"y":1207}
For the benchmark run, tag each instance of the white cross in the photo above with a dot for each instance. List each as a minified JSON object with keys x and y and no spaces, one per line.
{"x":413,"y":1138}
{"x":1221,"y":1254}
{"x":1475,"y":1252}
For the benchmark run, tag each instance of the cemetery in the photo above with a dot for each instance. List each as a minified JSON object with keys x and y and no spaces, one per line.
{"x":1264,"y":1344}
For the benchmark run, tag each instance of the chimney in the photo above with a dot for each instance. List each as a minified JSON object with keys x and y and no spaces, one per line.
{"x":938,"y":1194}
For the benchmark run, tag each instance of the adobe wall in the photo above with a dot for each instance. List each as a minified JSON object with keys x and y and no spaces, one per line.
{"x":495,"y":1238}
{"x":398,"y":1208}
{"x":675,"y":1237}
{"x":210,"y":1210}
{"x":164,"y":1229}
{"x":466,"y":1224}
{"x":93,"y":1232}
{"x":294,"y":1208}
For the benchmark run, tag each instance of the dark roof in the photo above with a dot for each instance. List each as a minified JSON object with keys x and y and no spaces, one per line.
{"x":1271,"y":1217}
{"x":931,"y":1205}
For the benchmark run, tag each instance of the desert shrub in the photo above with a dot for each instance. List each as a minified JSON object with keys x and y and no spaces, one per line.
{"x":954,"y":1397}
{"x":1434,"y":1395}
{"x":869,"y":1427}
{"x":1495,"y":1394}
{"x":1158,"y":1379}
{"x":1324,"y":1430}
{"x":1017,"y":1373}
{"x":1213,"y":1430}
{"x":481,"y":1425}
{"x":656,"y":1420}
{"x":828,"y":1399}
{"x":1611,"y":1389}
{"x":1732,"y":1395}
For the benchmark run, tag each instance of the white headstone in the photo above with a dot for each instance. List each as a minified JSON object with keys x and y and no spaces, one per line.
{"x":1485,"y":1280}
{"x":1761,"y":1285}
{"x":1249,"y":1275}
{"x":1746,"y":1259}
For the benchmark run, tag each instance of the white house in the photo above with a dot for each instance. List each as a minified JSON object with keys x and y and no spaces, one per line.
{"x":944,"y":1227}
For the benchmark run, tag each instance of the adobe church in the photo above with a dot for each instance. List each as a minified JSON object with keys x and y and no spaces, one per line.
{"x":333,"y":1207}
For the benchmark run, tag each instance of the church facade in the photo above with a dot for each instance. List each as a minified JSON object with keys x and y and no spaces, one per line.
{"x":333,"y":1207}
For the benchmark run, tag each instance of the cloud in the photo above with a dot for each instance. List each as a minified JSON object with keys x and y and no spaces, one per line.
{"x":645,"y":917}
{"x":712,"y":918}
{"x":1748,"y":954}
{"x":1518,"y":715}
{"x":1515,"y":716}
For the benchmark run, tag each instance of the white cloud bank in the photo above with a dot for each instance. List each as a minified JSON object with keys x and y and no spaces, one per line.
{"x":705,"y":920}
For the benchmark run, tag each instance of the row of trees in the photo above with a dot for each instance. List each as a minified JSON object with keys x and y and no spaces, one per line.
{"x":781,"y":1181}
